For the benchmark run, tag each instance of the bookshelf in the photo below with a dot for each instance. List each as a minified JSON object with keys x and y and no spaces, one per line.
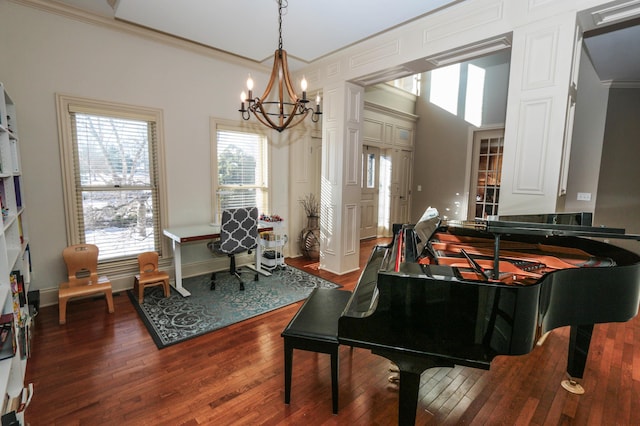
{"x":15,"y":264}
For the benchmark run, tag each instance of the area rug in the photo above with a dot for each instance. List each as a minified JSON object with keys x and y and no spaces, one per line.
{"x":176,"y":319}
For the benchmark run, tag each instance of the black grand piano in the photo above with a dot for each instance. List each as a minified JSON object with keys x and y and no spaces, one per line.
{"x":462,"y":293}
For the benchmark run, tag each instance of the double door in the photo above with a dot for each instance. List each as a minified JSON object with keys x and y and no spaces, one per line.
{"x":385,"y":194}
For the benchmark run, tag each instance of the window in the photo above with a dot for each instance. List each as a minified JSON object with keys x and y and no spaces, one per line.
{"x":475,"y":95}
{"x":445,"y":85}
{"x":241,"y":169}
{"x":111,"y":157}
{"x":486,"y":172}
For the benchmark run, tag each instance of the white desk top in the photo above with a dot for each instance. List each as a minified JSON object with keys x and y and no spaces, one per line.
{"x":183,"y":234}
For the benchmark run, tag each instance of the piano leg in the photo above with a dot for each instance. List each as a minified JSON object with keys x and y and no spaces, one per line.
{"x":579,"y":342}
{"x":408,"y":404}
{"x":411,"y":368}
{"x":288,"y":367}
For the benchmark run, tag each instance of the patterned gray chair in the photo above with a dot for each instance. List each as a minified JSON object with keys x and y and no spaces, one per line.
{"x":238,"y":233}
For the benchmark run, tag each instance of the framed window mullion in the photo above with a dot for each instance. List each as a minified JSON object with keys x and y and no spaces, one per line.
{"x":113,"y":184}
{"x":240,"y":161}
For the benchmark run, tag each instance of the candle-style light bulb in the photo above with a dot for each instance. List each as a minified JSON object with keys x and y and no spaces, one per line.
{"x":318,"y":99}
{"x":303,"y":84}
{"x":250,"y":89}
{"x":243,"y":96}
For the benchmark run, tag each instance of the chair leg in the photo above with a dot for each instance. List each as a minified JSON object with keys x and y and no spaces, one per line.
{"x":240,"y":279}
{"x":139,"y":288}
{"x":109,"y":296}
{"x":62,"y":310}
{"x":235,"y":271}
{"x":167,"y":291}
{"x":213,"y":281}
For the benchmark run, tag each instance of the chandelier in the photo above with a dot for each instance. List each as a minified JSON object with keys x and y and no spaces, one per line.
{"x":288,"y":109}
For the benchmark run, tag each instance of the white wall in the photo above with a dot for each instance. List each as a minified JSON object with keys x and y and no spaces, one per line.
{"x":442,"y":144}
{"x":586,"y":145}
{"x":618,"y":192}
{"x":44,"y":53}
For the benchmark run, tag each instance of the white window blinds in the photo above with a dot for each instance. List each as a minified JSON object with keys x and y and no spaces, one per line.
{"x":116,"y":184}
{"x":242,"y":170}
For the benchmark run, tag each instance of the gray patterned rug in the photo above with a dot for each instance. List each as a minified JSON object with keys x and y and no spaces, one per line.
{"x":175,"y":319}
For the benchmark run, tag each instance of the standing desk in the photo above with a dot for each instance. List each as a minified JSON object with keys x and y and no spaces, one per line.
{"x":189,"y":234}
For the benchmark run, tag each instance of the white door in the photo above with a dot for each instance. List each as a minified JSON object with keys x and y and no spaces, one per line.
{"x":401,"y":186}
{"x":486,"y":173}
{"x":370,"y":192}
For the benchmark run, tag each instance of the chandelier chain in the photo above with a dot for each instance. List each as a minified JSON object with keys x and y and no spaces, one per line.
{"x":282,"y":4}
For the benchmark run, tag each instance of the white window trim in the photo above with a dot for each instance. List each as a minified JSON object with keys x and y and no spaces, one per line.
{"x":216,"y":124}
{"x":65,"y":137}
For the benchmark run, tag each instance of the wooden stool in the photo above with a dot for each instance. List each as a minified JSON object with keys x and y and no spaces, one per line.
{"x":315,"y":328}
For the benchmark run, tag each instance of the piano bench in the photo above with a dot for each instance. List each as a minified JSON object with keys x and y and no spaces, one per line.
{"x":315,"y":328}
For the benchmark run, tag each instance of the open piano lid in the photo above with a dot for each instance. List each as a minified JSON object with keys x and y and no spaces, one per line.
{"x":560,"y":225}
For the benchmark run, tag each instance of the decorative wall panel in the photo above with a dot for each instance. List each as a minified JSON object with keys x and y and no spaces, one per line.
{"x":472,"y":18}
{"x":330,"y":152}
{"x":540,"y":56}
{"x":328,"y":217}
{"x":352,"y":162}
{"x":354,"y":104}
{"x":376,"y":54}
{"x":351,"y":229}
{"x":532,"y":145}
{"x":333,"y":69}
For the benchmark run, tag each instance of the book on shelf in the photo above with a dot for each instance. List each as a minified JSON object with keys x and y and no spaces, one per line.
{"x":7,"y":336}
{"x":24,"y":338}
{"x":10,"y":419}
{"x":15,"y":293}
{"x":18,"y":403}
{"x":20,"y":230}
{"x":16,"y":184}
{"x":20,"y":287}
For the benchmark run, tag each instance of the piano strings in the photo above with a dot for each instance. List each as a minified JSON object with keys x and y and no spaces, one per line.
{"x":520,"y":263}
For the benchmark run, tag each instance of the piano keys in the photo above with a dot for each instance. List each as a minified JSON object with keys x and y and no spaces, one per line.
{"x":464,"y":293}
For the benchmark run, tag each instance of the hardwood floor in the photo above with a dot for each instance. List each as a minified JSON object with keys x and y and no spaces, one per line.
{"x":102,"y":369}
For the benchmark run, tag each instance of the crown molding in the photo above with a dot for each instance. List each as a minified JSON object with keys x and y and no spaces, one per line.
{"x":371,"y":106}
{"x":616,"y":13}
{"x":611,"y":84}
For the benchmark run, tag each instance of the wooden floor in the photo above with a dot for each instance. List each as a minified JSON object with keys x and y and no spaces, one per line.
{"x":102,"y":369}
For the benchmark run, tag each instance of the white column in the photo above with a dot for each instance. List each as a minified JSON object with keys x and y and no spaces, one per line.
{"x":341,"y":163}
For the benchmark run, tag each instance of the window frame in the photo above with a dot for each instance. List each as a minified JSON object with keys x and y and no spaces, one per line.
{"x":233,"y":126}
{"x":66,"y":103}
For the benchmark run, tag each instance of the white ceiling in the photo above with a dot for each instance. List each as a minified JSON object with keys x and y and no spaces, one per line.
{"x":249,"y":28}
{"x":313,"y":28}
{"x":615,"y":53}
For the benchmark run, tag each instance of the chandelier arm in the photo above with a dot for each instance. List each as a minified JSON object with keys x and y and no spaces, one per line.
{"x":263,"y":116}
{"x":265,"y":120}
{"x":274,"y":73}
{"x":287,"y":78}
{"x":293,"y":115}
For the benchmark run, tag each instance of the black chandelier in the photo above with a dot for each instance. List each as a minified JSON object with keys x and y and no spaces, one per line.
{"x":282,"y":112}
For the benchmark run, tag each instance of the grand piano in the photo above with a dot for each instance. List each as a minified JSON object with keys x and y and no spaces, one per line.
{"x":461,"y":293}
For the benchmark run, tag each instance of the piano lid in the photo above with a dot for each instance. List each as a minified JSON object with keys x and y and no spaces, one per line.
{"x":499,"y":227}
